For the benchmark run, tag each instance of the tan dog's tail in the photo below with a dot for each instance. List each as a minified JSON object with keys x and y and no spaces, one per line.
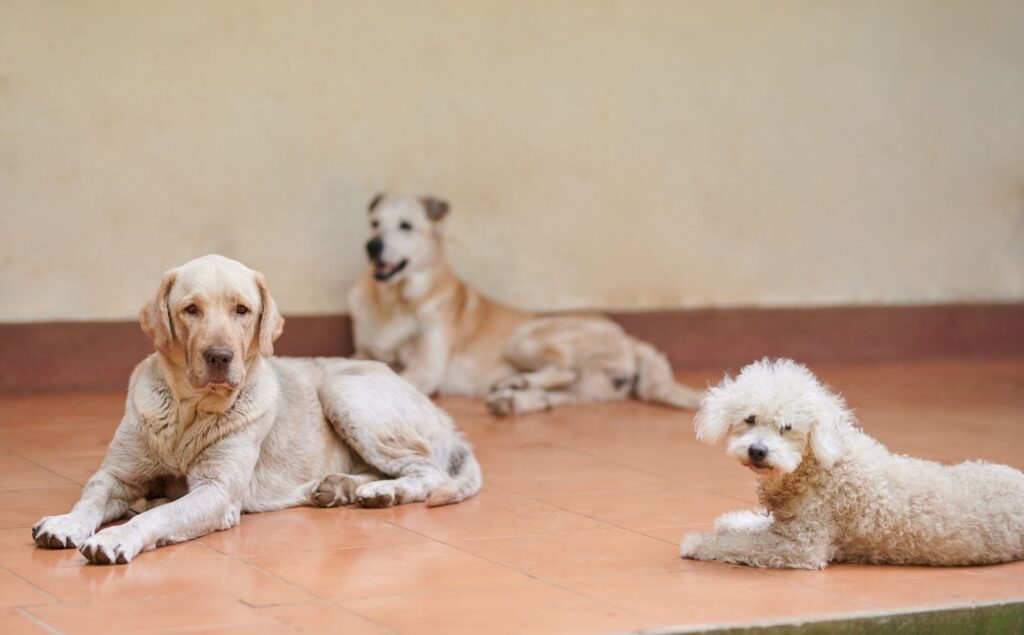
{"x":655,"y":381}
{"x":465,"y":478}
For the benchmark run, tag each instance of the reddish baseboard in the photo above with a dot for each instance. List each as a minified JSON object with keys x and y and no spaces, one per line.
{"x":84,"y":356}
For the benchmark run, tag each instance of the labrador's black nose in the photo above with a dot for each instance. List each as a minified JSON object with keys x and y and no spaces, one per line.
{"x":374,"y":248}
{"x":757,"y":452}
{"x":218,"y":357}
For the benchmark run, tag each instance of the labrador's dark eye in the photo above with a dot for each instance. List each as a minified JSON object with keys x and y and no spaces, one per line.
{"x":191,"y":309}
{"x":241,"y":309}
{"x":752,"y":419}
{"x":405,"y":226}
{"x":787,"y":427}
{"x":374,"y":224}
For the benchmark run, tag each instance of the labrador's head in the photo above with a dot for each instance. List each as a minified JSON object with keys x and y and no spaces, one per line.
{"x":213,"y":316}
{"x":405,"y":234}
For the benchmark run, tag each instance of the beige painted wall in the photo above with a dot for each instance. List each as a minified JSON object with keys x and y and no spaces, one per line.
{"x":597,"y":154}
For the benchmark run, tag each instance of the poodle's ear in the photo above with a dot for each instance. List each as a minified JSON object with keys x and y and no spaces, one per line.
{"x":155,"y":317}
{"x":271,"y":323}
{"x":435,"y":208}
{"x":375,"y":201}
{"x":713,"y":418}
{"x":827,"y":435}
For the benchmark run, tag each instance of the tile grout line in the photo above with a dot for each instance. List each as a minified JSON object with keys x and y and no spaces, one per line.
{"x":39,"y":621}
{"x":319,"y":599}
{"x":33,"y":585}
{"x":43,"y":467}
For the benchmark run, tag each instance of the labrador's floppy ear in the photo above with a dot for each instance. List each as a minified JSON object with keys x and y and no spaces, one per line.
{"x":271,"y":323}
{"x":155,"y":317}
{"x":375,"y":201}
{"x":435,"y":208}
{"x":713,"y":419}
{"x":827,"y":434}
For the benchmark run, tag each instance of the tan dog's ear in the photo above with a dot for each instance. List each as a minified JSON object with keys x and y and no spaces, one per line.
{"x":375,"y":201}
{"x":155,"y":317}
{"x":826,"y":436}
{"x":436,"y":208}
{"x":712,"y":420}
{"x":271,"y":323}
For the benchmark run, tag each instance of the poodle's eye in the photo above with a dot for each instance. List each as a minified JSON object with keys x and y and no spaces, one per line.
{"x":191,"y":309}
{"x":241,"y":309}
{"x":752,"y":419}
{"x":405,"y":226}
{"x":374,"y":224}
{"x":787,"y":427}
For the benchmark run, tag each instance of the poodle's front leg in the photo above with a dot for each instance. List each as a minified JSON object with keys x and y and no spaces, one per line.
{"x":804,"y":549}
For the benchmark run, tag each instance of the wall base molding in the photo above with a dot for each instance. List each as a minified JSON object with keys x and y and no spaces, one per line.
{"x":99,"y":356}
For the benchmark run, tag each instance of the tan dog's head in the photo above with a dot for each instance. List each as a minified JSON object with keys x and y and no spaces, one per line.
{"x":775,"y":413}
{"x":406,"y":235}
{"x":213,"y":316}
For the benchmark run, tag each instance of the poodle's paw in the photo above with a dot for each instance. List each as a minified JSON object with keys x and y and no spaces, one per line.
{"x":66,"y":531}
{"x":113,"y":545}
{"x":743,"y":522}
{"x":335,"y":490}
{"x":380,"y":494}
{"x":692,"y":546}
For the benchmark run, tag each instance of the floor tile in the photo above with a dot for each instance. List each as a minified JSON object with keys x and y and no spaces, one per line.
{"x":722,"y":594}
{"x":24,"y":507}
{"x":152,"y":615}
{"x":16,"y":591}
{"x":17,"y":622}
{"x":529,"y":608}
{"x":324,"y":617}
{"x":404,"y":569}
{"x":586,"y":554}
{"x":306,"y":529}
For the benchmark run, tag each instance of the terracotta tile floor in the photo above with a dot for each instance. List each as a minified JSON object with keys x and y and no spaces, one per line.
{"x":576,"y":530}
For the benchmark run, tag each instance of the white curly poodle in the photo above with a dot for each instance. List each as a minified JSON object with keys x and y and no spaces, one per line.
{"x":833,"y":494}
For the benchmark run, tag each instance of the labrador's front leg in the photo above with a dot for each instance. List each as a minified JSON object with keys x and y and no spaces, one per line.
{"x":426,"y":368}
{"x":106,"y":496}
{"x":217,"y":486}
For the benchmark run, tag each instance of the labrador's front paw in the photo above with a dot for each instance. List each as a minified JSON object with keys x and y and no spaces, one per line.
{"x":114,"y":545}
{"x":61,"y":532}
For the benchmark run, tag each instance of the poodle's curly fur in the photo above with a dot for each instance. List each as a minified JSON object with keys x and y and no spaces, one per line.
{"x":833,"y":494}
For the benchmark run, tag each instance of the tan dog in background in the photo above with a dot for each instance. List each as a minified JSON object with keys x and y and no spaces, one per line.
{"x":215,"y":427}
{"x":411,"y":311}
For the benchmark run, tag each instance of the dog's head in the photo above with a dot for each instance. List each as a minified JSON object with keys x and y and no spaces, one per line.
{"x":406,"y":235}
{"x":774,"y":415}
{"x":213,"y":316}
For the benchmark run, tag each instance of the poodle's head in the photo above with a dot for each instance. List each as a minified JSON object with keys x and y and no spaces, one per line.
{"x":774,"y":415}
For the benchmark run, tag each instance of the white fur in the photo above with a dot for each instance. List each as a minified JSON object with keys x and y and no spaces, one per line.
{"x":835,"y":494}
{"x":266,"y":434}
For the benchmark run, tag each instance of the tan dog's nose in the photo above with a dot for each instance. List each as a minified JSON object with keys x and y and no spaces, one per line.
{"x":218,"y":358}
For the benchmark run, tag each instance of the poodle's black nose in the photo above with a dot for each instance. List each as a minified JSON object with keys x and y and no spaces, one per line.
{"x":375,"y":248}
{"x":757,"y":452}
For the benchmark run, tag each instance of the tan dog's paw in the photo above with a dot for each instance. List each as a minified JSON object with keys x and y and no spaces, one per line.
{"x":114,"y":545}
{"x":502,"y":402}
{"x":379,"y":494}
{"x":335,"y":490}
{"x":61,"y":532}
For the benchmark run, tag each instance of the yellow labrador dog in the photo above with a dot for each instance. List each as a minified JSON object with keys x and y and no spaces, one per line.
{"x":215,"y":427}
{"x":411,"y":311}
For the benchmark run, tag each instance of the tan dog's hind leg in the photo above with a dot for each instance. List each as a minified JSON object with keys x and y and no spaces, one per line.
{"x":548,"y":378}
{"x":655,"y":381}
{"x":508,"y":402}
{"x":340,"y":489}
